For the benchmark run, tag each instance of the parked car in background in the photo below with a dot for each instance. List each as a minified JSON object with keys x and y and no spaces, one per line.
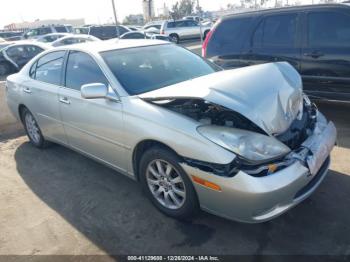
{"x":15,"y":55}
{"x":11,"y":35}
{"x":81,"y":30}
{"x":74,"y":39}
{"x":315,"y":40}
{"x":152,"y":27}
{"x":143,"y":35}
{"x":43,"y":30}
{"x":244,"y":144}
{"x":134,"y":27}
{"x":182,"y":30}
{"x":192,"y":17}
{"x":106,"y":32}
{"x":51,"y":37}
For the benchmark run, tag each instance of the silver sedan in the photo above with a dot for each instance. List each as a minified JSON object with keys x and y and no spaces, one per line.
{"x":245,"y":144}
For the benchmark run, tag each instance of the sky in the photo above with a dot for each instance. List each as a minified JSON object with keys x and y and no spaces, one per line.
{"x":93,"y":11}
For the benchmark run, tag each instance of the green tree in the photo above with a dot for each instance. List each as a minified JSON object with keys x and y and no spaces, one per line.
{"x":182,"y":8}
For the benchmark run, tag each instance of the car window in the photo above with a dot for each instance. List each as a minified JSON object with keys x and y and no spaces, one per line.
{"x":15,"y":51}
{"x":32,"y":50}
{"x":49,"y":68}
{"x":191,"y":23}
{"x":44,"y":30}
{"x":328,"y":29}
{"x":82,"y":69}
{"x":61,"y":29}
{"x":181,"y":23}
{"x":144,"y":69}
{"x":135,"y":35}
{"x":277,"y":30}
{"x":122,"y":30}
{"x":228,"y":36}
{"x":171,"y":25}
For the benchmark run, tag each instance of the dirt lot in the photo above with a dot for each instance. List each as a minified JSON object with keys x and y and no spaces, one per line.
{"x":56,"y":201}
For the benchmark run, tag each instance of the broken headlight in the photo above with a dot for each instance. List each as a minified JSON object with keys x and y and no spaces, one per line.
{"x":249,"y":145}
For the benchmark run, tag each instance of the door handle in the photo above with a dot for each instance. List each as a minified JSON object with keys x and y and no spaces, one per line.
{"x":27,"y":90}
{"x":64,"y":100}
{"x":314,"y":54}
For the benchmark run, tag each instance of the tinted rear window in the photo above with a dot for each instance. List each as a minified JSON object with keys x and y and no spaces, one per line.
{"x":228,"y":36}
{"x":328,"y":29}
{"x":276,"y":30}
{"x":61,"y":29}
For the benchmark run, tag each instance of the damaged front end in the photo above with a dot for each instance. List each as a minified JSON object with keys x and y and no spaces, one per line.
{"x":265,"y":121}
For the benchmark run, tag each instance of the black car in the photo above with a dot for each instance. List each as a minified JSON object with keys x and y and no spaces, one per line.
{"x":14,"y":56}
{"x":314,"y":39}
{"x":106,"y":32}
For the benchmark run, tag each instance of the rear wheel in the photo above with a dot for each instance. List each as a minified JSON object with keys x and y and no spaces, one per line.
{"x":32,"y":129}
{"x":166,"y":183}
{"x":174,"y":38}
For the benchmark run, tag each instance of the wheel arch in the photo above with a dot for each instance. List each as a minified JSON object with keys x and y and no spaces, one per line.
{"x":141,"y":148}
{"x":21,"y":107}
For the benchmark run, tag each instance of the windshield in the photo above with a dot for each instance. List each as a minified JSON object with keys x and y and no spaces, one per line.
{"x":145,"y":69}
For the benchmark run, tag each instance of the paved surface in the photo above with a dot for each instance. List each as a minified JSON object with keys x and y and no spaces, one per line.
{"x":56,"y":201}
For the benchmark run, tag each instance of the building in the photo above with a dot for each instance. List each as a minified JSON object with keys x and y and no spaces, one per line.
{"x":148,"y":9}
{"x":27,"y":25}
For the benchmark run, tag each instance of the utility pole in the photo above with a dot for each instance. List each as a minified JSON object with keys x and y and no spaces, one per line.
{"x":115,"y":18}
{"x":149,"y":9}
{"x":200,"y":21}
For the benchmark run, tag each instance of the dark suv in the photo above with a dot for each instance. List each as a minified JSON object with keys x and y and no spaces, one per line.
{"x":314,"y":39}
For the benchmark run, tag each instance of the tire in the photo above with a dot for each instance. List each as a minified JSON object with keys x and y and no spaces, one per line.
{"x":5,"y":69}
{"x":33,"y":130}
{"x":174,"y":38}
{"x":185,"y":207}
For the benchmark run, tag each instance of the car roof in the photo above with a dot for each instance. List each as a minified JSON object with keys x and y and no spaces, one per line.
{"x":28,"y":42}
{"x":286,"y":9}
{"x":101,"y":46}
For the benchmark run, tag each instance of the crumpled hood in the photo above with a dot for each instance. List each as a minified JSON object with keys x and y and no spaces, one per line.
{"x":270,"y":95}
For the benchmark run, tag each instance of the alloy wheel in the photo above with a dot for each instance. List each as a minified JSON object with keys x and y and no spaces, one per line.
{"x":32,"y":128}
{"x":166,"y":184}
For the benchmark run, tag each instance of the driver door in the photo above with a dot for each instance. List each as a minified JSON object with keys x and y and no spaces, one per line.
{"x":93,"y":126}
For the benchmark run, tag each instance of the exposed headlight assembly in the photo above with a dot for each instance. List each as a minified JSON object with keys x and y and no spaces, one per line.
{"x":250,"y":145}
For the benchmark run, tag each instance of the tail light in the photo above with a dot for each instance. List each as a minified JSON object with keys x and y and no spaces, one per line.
{"x":206,"y":41}
{"x":162,"y":32}
{"x":207,"y":38}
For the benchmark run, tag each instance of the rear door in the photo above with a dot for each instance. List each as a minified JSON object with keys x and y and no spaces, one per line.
{"x":193,"y":28}
{"x":40,"y":94}
{"x":325,"y":65}
{"x":275,"y":38}
{"x":93,"y":126}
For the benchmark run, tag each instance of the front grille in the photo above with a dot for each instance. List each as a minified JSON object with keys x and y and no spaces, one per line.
{"x":314,"y":180}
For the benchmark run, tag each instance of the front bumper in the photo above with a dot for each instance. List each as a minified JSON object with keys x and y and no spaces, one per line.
{"x":256,"y":199}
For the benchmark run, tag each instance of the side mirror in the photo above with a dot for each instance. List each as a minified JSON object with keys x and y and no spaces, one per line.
{"x":94,"y":90}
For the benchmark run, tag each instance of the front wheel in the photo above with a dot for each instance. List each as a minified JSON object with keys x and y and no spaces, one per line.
{"x":166,"y":183}
{"x":32,"y":129}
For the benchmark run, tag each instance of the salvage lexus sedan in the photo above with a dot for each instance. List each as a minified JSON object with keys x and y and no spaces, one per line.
{"x":245,"y":144}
